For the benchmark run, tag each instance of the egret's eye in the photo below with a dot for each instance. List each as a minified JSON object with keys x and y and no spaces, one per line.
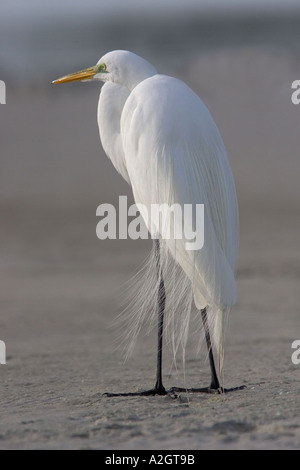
{"x":102,"y":68}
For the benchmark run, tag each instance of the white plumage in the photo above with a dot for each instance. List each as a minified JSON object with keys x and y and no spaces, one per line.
{"x":162,"y":139}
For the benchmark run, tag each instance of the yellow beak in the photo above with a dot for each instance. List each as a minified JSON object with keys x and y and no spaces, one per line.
{"x":85,"y":74}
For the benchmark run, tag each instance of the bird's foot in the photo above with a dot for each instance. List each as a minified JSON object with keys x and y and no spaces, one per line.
{"x":208,"y":390}
{"x":172,"y":392}
{"x":145,"y":393}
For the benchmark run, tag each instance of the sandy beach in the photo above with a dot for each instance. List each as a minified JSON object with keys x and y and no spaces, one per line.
{"x":61,"y":288}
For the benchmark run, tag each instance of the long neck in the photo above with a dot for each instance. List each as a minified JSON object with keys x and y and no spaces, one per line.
{"x":110,"y":106}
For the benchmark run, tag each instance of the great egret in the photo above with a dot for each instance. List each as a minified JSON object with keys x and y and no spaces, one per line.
{"x":162,"y":139}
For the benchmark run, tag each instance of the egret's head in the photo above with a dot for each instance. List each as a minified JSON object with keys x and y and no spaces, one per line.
{"x":121,"y":67}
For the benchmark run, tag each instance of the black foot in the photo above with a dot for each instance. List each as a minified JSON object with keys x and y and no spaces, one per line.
{"x":146,"y":393}
{"x":211,"y":390}
{"x":172,"y":392}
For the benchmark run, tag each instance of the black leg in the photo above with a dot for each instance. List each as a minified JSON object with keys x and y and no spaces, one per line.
{"x":215,"y":384}
{"x":158,"y":389}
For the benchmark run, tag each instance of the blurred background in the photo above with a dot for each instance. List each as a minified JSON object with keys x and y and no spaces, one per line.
{"x":240,"y":56}
{"x":59,"y":284}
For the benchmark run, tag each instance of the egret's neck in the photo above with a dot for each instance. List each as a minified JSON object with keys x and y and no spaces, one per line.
{"x":140,"y":75}
{"x":133,"y":73}
{"x":110,"y":107}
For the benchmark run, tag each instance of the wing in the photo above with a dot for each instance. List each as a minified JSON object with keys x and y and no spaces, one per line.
{"x":174,"y":154}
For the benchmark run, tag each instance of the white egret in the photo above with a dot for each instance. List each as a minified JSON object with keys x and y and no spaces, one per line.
{"x":162,"y":139}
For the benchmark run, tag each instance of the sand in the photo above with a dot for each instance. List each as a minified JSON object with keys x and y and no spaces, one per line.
{"x":61,"y":288}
